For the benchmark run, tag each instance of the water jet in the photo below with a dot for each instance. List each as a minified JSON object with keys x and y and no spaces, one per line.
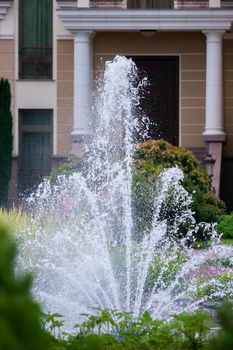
{"x":80,"y":245}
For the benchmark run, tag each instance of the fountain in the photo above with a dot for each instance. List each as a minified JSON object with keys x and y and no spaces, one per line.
{"x":80,"y":244}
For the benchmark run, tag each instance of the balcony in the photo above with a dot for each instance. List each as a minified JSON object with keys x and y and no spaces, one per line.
{"x":35,"y":63}
{"x":147,"y":4}
{"x":76,"y":19}
{"x":190,"y":4}
{"x":108,"y":4}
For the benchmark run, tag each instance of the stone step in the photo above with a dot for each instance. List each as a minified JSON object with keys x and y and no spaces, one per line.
{"x":200,"y":154}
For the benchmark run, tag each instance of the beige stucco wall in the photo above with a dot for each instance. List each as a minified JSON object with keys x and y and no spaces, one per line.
{"x":7,"y":49}
{"x":228,"y":94}
{"x":191,"y":49}
{"x":7,"y":69}
{"x":189,"y":46}
{"x":65,"y":71}
{"x":7,"y":61}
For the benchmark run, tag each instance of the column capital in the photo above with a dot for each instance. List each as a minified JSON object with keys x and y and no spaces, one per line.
{"x":84,"y":35}
{"x":213,"y":35}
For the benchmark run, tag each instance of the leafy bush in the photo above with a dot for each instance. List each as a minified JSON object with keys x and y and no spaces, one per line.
{"x":225,"y":226}
{"x":224,"y":337}
{"x":185,"y":331}
{"x":115,"y":330}
{"x":211,"y":288}
{"x":151,"y":157}
{"x":163,"y":270}
{"x":20,"y":325}
{"x":67,"y":168}
{"x":21,"y":322}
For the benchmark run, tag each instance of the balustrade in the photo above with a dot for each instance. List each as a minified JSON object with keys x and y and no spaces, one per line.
{"x":35,"y":62}
{"x":152,"y":4}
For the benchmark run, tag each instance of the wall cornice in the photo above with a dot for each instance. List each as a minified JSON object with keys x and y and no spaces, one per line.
{"x":134,"y":20}
{"x":4,"y":6}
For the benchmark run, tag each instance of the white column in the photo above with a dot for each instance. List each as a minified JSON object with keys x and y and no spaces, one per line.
{"x":214,"y":134}
{"x":83,"y":80}
{"x":214,"y":85}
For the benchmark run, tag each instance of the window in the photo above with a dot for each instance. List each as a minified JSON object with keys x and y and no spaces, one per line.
{"x":35,"y":147}
{"x":35,"y":39}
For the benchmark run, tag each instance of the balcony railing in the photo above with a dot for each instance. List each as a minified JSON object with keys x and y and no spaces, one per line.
{"x":35,"y":63}
{"x":149,"y":4}
{"x":191,"y":4}
{"x":108,"y":4}
{"x":156,"y":4}
{"x":133,"y":4}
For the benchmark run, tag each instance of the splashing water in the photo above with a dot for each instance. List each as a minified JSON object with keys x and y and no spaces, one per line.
{"x":80,"y":244}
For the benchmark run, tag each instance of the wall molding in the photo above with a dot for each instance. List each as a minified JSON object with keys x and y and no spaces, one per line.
{"x":7,"y":37}
{"x":75,"y":19}
{"x":4,"y":6}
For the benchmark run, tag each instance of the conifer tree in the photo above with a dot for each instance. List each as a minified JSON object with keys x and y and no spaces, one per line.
{"x":6,"y":140}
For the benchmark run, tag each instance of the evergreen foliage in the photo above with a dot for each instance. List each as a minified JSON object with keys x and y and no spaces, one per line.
{"x":6,"y":140}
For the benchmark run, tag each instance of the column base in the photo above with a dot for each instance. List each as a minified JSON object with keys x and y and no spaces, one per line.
{"x":214,"y":145}
{"x":214,"y":137}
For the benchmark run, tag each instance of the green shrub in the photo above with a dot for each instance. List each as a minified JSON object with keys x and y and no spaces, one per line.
{"x":185,"y":331}
{"x":225,"y":226}
{"x":21,"y":322}
{"x":223,"y":340}
{"x":67,"y":168}
{"x":115,"y":330}
{"x":20,"y":316}
{"x":163,"y":270}
{"x":151,"y":157}
{"x":211,"y":288}
{"x":191,"y":330}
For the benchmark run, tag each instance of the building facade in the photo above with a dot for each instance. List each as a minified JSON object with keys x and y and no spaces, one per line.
{"x":52,"y":51}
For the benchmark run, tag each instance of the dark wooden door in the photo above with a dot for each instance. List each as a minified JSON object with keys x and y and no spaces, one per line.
{"x":161,"y":99}
{"x":35,"y":147}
